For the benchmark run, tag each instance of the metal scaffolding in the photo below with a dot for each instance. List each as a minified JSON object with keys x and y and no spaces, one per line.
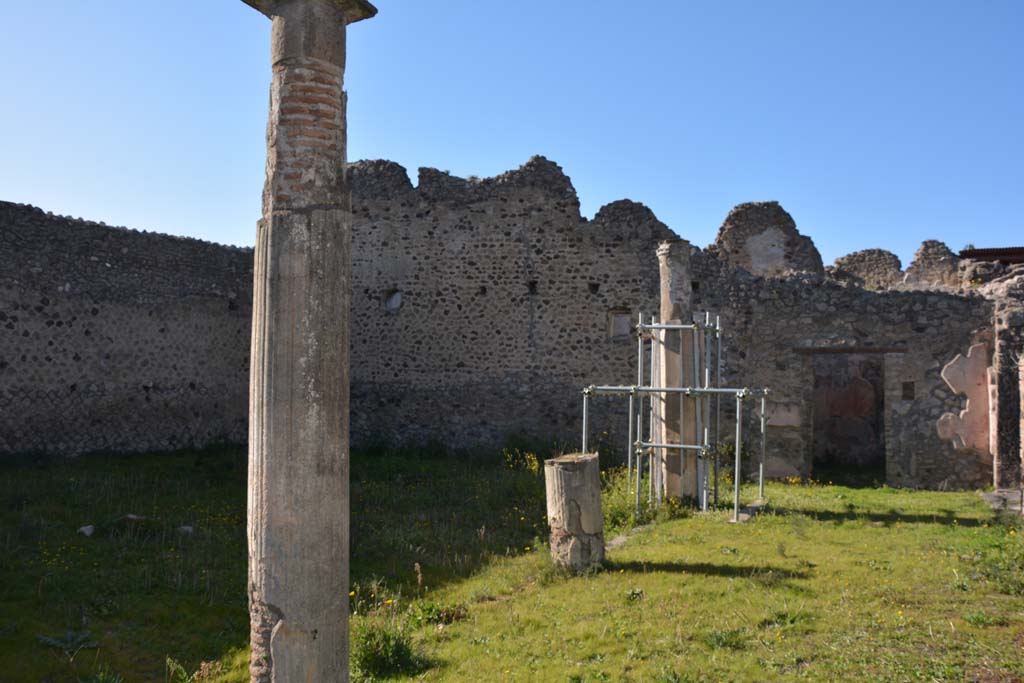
{"x":706,"y":335}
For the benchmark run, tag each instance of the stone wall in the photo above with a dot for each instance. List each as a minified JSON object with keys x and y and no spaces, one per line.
{"x":869,"y":268}
{"x":934,"y":265}
{"x":761,"y":238}
{"x":1008,"y":294}
{"x":120,"y":340}
{"x":775,"y":327}
{"x":482,"y":307}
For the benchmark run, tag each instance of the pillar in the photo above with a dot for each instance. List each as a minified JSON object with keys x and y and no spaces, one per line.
{"x":677,"y":412}
{"x":573,"y":487}
{"x":299,"y":383}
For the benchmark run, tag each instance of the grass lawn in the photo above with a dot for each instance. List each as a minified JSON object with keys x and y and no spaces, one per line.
{"x":450,"y":583}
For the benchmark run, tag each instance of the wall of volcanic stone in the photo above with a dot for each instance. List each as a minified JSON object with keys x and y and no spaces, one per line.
{"x":482,"y":307}
{"x":112,"y":339}
{"x":776,"y":326}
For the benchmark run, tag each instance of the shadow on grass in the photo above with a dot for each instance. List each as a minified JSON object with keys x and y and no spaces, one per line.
{"x":767,"y":575}
{"x":870,"y":477}
{"x":883,"y":519}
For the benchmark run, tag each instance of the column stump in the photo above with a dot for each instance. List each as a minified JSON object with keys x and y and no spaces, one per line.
{"x":573,"y":484}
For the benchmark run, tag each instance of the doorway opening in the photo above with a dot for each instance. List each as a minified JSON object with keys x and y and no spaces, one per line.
{"x":849,"y":430}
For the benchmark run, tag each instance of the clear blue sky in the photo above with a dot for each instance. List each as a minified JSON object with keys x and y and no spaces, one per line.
{"x":874,"y":123}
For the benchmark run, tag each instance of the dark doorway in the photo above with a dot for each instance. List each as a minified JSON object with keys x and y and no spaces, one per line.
{"x":849,"y":434}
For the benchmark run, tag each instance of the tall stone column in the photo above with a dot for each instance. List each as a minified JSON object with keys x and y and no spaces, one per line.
{"x":677,"y":412}
{"x":299,"y":387}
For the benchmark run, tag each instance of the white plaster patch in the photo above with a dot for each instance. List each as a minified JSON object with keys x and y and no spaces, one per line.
{"x":968,"y":375}
{"x":766,"y":252}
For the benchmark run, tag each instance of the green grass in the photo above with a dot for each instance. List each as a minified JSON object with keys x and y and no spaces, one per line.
{"x":451,"y":584}
{"x":141,"y":592}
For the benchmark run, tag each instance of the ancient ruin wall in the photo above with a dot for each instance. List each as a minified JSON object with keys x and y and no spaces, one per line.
{"x":120,"y":340}
{"x":934,"y":265}
{"x":868,"y":268}
{"x":481,"y":308}
{"x":762,"y":238}
{"x":775,"y":326}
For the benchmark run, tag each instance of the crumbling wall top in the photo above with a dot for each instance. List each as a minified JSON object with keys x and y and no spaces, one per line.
{"x":761,"y":237}
{"x":626,"y":219}
{"x":538,"y":173}
{"x":378,"y":179}
{"x":871,"y":268}
{"x":934,"y":265}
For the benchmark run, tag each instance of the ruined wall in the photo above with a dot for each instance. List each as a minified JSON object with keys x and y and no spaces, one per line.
{"x":775,"y":326}
{"x":482,"y":307}
{"x":934,"y":265}
{"x":869,"y":268}
{"x":761,"y":238}
{"x":1008,"y":294}
{"x":120,"y":340}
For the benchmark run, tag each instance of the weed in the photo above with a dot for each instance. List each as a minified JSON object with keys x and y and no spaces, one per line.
{"x":207,"y":671}
{"x":422,"y":612}
{"x":980,"y":617}
{"x":103,"y":675}
{"x":516,"y":459}
{"x":784,"y":618}
{"x":732,"y":639}
{"x":382,"y":649}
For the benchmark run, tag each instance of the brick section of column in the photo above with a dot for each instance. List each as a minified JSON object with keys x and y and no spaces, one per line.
{"x":306,"y":136}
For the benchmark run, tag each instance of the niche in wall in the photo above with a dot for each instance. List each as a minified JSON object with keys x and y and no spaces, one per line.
{"x":393,"y":300}
{"x":620,"y":324}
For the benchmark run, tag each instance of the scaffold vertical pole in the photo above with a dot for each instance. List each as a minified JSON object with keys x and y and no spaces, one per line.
{"x":718,"y":397}
{"x":760,"y":469}
{"x":586,"y":401}
{"x":739,"y":449}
